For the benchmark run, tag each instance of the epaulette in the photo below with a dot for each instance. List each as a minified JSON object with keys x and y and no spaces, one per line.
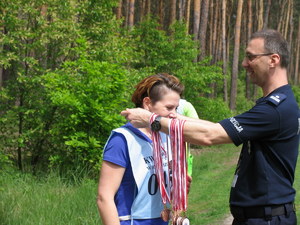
{"x":276,"y":99}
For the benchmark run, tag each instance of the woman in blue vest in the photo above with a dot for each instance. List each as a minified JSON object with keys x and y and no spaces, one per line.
{"x":128,"y":193}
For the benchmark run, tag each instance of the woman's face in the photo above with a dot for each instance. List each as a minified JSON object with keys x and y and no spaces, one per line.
{"x":167,"y":106}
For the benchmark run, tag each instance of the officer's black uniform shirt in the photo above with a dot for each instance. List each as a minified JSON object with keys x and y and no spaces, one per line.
{"x":270,"y":136}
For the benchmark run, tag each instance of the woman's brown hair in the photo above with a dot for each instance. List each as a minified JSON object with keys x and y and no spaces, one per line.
{"x":155,"y":87}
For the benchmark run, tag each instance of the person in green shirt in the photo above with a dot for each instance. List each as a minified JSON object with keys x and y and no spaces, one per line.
{"x":187,"y":109}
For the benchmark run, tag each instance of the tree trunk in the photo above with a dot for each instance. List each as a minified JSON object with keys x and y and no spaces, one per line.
{"x":203,"y":28}
{"x":224,"y":54}
{"x":267,"y":12}
{"x":249,"y":29}
{"x":211,"y":40}
{"x":131,"y":13}
{"x":148,"y":7}
{"x":161,"y":13}
{"x":287,"y":19}
{"x":119,"y":10}
{"x":210,"y":29}
{"x":291,"y":68}
{"x":215,"y":36}
{"x":234,"y":74}
{"x":188,"y":15}
{"x":218,"y":50}
{"x":180,"y":9}
{"x":142,"y":9}
{"x":260,"y":15}
{"x":172,"y":12}
{"x":281,"y":21}
{"x":197,"y":8}
{"x":291,"y":22}
{"x":4,"y":73}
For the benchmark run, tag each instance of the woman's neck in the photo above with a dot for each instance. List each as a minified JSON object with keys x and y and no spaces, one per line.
{"x":146,"y":131}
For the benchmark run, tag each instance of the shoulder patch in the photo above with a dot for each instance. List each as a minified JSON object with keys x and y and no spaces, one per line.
{"x":276,"y":99}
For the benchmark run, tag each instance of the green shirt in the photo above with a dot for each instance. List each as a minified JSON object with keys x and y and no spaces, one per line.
{"x":187,"y":109}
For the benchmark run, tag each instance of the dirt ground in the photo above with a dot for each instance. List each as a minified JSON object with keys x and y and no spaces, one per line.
{"x":228,"y":220}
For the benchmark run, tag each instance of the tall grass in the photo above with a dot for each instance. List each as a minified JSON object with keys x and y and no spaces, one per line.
{"x":28,"y":200}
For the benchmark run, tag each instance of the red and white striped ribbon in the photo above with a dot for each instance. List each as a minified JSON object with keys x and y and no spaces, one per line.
{"x":179,"y":166}
{"x":177,"y":195}
{"x":158,"y":151}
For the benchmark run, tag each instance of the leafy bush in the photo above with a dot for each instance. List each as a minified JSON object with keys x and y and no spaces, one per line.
{"x":212,"y":109}
{"x":88,"y":96}
{"x":296,"y":90}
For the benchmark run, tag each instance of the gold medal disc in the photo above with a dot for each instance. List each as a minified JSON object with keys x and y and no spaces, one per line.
{"x":165,"y":215}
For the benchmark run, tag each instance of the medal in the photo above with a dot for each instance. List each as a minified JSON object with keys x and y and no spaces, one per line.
{"x":181,"y":221}
{"x":165,"y":214}
{"x":185,"y":221}
{"x":174,"y":220}
{"x":175,"y":153}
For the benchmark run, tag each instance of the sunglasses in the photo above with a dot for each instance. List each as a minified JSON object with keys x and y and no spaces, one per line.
{"x":251,"y":57}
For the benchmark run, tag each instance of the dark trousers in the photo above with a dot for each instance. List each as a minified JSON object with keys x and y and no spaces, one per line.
{"x":276,"y":220}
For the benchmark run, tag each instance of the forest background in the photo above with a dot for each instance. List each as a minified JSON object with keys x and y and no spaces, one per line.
{"x":67,"y":68}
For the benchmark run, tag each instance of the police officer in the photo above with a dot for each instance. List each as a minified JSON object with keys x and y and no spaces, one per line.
{"x":262,"y":189}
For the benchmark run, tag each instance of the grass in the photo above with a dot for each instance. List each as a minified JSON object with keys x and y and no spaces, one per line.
{"x":212,"y":175}
{"x":26,"y":200}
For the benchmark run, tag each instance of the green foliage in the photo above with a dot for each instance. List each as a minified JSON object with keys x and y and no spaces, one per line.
{"x":165,"y":53}
{"x":242,"y":103}
{"x":40,"y":37}
{"x":175,"y":54}
{"x":88,"y":96}
{"x":212,"y":109}
{"x":108,"y":41}
{"x":35,"y":40}
{"x":296,"y":90}
{"x":4,"y":161}
{"x":32,"y":43}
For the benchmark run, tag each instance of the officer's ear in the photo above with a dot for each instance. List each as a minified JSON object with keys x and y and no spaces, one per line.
{"x":274,"y":60}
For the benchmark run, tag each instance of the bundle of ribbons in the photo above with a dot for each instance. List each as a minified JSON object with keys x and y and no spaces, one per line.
{"x":172,"y":183}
